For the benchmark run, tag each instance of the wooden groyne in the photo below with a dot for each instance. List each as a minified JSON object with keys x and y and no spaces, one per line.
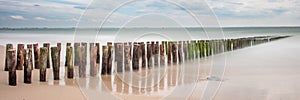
{"x":116,"y":57}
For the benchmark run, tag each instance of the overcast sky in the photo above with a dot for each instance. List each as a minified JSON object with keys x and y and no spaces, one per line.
{"x":66,"y":13}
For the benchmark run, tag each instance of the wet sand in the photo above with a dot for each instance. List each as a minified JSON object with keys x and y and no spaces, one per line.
{"x":262,"y":72}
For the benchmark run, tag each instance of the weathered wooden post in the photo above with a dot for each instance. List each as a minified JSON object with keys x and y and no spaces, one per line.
{"x":69,"y":59}
{"x":174,"y":53}
{"x":76,"y":54}
{"x":156,"y":53}
{"x":93,"y":58}
{"x":185,"y":50}
{"x":162,"y":54}
{"x":190,"y":50}
{"x":169,"y":52}
{"x":208,"y":48}
{"x":43,"y":63}
{"x":55,"y":61}
{"x":110,"y":57}
{"x":180,"y":56}
{"x":82,"y":62}
{"x":119,"y":56}
{"x":136,"y":56}
{"x":66,"y":62}
{"x":196,"y":48}
{"x":149,"y":55}
{"x":8,"y":46}
{"x":29,"y":47}
{"x":104,"y":59}
{"x":47,"y":45}
{"x":28,"y":64}
{"x":84,"y":45}
{"x":142,"y":44}
{"x":59,"y":52}
{"x":98,"y":53}
{"x":11,"y":60}
{"x":36,"y":55}
{"x":20,"y":57}
{"x":127,"y":58}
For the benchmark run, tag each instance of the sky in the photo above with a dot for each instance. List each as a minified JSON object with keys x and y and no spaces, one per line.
{"x":143,"y":13}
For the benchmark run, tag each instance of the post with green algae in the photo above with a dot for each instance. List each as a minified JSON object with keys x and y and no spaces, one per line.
{"x":20,"y":57}
{"x":43,"y":63}
{"x":11,"y":59}
{"x":190,"y":50}
{"x":8,"y":46}
{"x":196,"y":48}
{"x":208,"y":48}
{"x":201,"y":48}
{"x":69,"y":61}
{"x":36,"y":51}
{"x":76,"y":54}
{"x":55,"y":62}
{"x":47,"y":45}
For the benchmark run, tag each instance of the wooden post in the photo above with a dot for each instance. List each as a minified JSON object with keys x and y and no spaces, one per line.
{"x":143,"y":54}
{"x":98,"y":53}
{"x":104,"y":59}
{"x":174,"y":53}
{"x":84,"y":45}
{"x":136,"y":56}
{"x":69,"y":59}
{"x":180,"y":56}
{"x":8,"y":46}
{"x":110,"y":57}
{"x":149,"y":55}
{"x":196,"y":48}
{"x":43,"y":63}
{"x":76,"y":54}
{"x":29,"y":47}
{"x":162,"y":54}
{"x":127,"y":58}
{"x":119,"y":56}
{"x":66,"y":61}
{"x":59,"y":52}
{"x":11,"y":60}
{"x":93,"y":58}
{"x":47,"y":45}
{"x":20,"y":57}
{"x":36,"y":55}
{"x":185,"y":50}
{"x":27,"y":66}
{"x":82,"y":61}
{"x":156,"y":53}
{"x":169,"y":52}
{"x":55,"y":61}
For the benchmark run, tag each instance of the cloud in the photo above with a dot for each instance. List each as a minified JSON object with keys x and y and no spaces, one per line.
{"x":40,"y":18}
{"x":17,"y":17}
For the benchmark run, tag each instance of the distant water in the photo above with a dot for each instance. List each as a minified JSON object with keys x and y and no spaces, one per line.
{"x":132,"y":34}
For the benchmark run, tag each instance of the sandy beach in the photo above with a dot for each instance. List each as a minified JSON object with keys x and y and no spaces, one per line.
{"x":251,"y":73}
